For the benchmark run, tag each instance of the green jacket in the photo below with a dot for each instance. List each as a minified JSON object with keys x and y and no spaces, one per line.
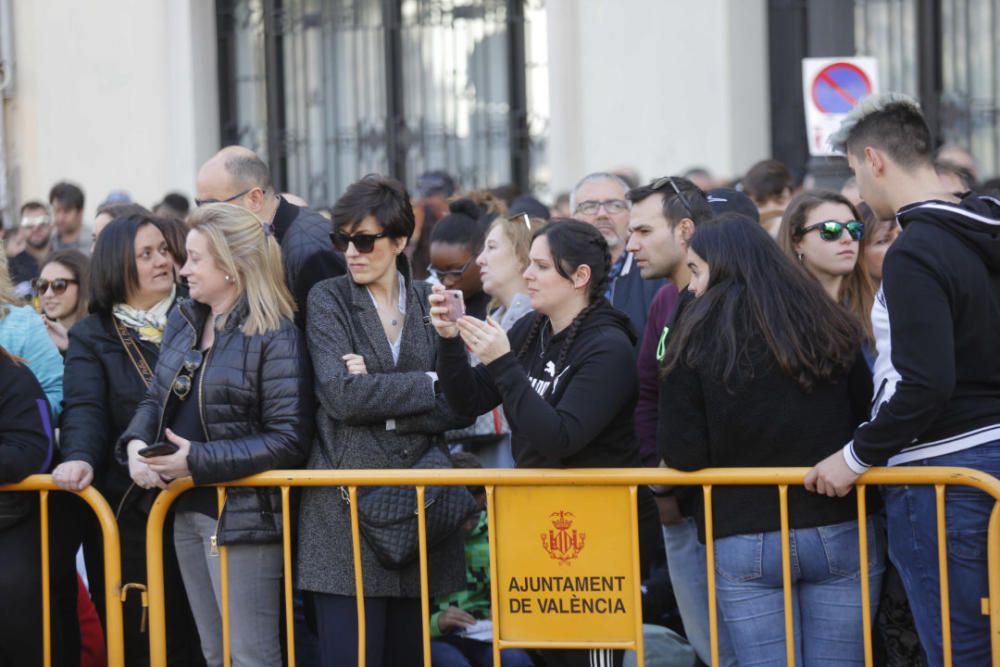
{"x":475,"y":598}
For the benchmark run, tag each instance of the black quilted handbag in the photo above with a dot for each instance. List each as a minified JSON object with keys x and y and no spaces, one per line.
{"x":388,"y":514}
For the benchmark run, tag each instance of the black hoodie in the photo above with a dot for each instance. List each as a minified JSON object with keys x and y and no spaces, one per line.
{"x":577,"y":416}
{"x":937,"y":326}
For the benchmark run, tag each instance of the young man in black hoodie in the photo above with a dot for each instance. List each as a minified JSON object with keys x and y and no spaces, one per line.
{"x":937,"y":376}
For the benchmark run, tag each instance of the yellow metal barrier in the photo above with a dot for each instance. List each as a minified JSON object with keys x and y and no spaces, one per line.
{"x":781,"y":478}
{"x":114,"y":636}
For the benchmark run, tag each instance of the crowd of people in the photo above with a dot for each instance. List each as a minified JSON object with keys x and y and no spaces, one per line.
{"x":680,"y":323}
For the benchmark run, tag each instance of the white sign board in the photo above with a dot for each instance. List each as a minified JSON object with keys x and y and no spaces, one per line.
{"x":831,"y":87}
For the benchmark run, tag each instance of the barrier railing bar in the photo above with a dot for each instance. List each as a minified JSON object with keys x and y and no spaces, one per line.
{"x":713,"y":621}
{"x":425,"y":604}
{"x":43,"y":508}
{"x":786,"y":576}
{"x":224,"y":585}
{"x":286,"y":546}
{"x":866,"y":607}
{"x":633,"y":507}
{"x":359,"y":582}
{"x":942,"y":536}
{"x":491,"y":531}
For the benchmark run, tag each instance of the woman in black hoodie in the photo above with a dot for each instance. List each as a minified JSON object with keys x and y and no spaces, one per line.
{"x":566,"y":376}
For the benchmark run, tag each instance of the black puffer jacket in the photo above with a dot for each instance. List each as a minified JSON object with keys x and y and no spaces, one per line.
{"x":257,"y":409}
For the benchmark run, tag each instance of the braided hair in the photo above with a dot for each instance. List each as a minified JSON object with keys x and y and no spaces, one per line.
{"x":573,"y":244}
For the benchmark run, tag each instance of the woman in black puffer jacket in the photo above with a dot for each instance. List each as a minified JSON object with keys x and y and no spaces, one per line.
{"x":232,"y":391}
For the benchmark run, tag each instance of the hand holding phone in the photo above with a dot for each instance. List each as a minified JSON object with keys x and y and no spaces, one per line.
{"x":158,"y":449}
{"x":455,"y":303}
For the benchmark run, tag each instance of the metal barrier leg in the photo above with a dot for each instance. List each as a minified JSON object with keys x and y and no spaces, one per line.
{"x":942,"y":536}
{"x":425,"y":605}
{"x":636,"y":573}
{"x":786,"y":577}
{"x":491,"y":531}
{"x":359,"y":582}
{"x":286,"y":544}
{"x":227,"y":656}
{"x":43,"y":507}
{"x":866,"y":610}
{"x":993,"y":569}
{"x":713,"y":621}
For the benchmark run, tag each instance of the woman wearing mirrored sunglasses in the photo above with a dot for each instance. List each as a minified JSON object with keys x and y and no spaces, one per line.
{"x":61,"y":289}
{"x":822,"y":230}
{"x":109,"y":361}
{"x":374,"y":353}
{"x":765,"y":370}
{"x":232,"y":390}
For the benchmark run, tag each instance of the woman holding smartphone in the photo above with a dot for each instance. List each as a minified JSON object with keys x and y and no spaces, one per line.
{"x":566,"y":375}
{"x":232,"y":393}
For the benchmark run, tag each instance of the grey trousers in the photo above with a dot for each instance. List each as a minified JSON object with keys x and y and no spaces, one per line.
{"x":255,"y":572}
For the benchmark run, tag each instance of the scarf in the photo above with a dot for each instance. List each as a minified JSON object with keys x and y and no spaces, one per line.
{"x":148,"y":323}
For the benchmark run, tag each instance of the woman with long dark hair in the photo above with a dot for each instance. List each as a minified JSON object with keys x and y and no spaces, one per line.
{"x":764,"y":369}
{"x":566,"y":375}
{"x":109,"y":365}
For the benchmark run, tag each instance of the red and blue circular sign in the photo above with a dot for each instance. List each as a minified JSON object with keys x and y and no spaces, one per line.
{"x":838,"y":87}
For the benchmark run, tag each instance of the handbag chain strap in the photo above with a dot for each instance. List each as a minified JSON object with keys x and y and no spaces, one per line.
{"x":134,"y":353}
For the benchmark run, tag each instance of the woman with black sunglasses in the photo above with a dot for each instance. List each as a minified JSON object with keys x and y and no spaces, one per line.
{"x":822,"y":230}
{"x":765,"y":370}
{"x":374,"y":354}
{"x":231,"y":397}
{"x":61,"y":288}
{"x":109,"y":362}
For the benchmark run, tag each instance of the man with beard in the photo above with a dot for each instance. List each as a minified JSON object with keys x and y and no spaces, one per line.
{"x":30,"y":245}
{"x":599,"y":199}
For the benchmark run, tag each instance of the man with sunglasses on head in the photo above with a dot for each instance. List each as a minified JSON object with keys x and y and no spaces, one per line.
{"x":29,"y":246}
{"x":237,"y":175}
{"x":937,"y":374}
{"x":599,"y":199}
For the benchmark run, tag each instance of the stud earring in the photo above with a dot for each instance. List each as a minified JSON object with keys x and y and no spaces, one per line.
{"x":799,"y":255}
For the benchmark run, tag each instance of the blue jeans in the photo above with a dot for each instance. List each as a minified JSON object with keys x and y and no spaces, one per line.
{"x":451,"y":651}
{"x":912,"y":519}
{"x":826,"y":593}
{"x":688,"y":577}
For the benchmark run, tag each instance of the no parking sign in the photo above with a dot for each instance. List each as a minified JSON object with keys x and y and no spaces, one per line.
{"x":831,"y":88}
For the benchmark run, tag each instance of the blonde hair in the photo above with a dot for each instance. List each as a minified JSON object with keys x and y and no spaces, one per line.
{"x":7,"y":295}
{"x":252,"y":258}
{"x":519,"y":230}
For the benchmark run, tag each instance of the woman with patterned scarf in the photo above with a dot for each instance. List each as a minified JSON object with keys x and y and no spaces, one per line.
{"x":109,"y":365}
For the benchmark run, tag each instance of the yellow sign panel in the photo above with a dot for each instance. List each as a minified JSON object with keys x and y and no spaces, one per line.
{"x":565,"y":564}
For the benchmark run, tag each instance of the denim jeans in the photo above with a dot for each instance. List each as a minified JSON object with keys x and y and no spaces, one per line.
{"x":254,"y":591}
{"x":453,"y":651}
{"x":826,"y":593}
{"x":688,"y":577}
{"x":912,"y":520}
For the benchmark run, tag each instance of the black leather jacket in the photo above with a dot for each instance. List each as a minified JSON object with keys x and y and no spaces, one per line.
{"x":256,"y":403}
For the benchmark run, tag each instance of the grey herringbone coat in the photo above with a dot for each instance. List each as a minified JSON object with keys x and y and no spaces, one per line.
{"x":351,"y":422}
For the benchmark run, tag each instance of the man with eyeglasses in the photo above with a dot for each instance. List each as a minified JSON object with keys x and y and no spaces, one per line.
{"x":236,"y":175}
{"x":599,"y":199}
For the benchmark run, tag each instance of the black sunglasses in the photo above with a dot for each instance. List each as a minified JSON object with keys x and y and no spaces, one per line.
{"x":669,"y":180}
{"x":182,"y":383}
{"x":831,"y":230}
{"x":59,"y":285}
{"x":363,"y":243}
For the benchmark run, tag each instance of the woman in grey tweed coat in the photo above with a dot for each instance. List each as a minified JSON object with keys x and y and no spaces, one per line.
{"x":373,"y":352}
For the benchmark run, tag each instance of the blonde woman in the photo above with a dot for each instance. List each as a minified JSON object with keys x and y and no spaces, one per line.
{"x":502,"y":263}
{"x":234,"y":385}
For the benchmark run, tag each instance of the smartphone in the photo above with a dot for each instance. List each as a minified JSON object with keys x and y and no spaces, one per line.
{"x":158,"y":449}
{"x":455,"y":302}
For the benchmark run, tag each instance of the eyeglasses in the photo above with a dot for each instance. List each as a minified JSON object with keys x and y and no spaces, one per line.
{"x":202,"y":202}
{"x":669,"y":180}
{"x":363,"y":243}
{"x":831,"y":230}
{"x":522,"y":217}
{"x":32,"y":221}
{"x":612,"y":206}
{"x":59,"y":285}
{"x":450,"y":274}
{"x":182,"y":383}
